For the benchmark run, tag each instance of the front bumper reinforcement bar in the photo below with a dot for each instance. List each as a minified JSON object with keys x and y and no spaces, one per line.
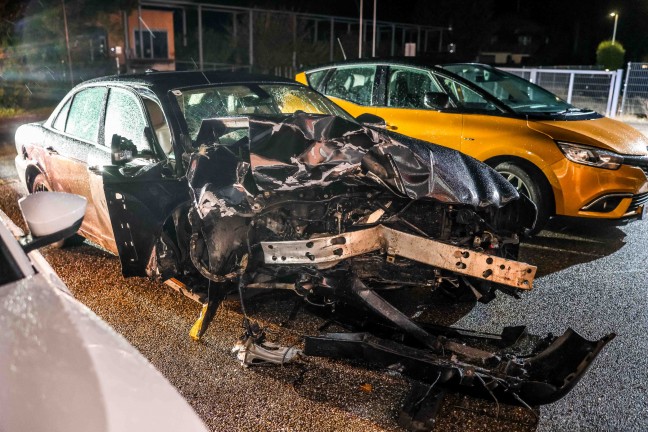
{"x":330,"y":249}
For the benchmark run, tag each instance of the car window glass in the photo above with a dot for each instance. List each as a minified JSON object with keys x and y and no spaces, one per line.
{"x":251,"y":99}
{"x":59,"y":123}
{"x":315,"y":78}
{"x":292,"y":99}
{"x":467,"y":99}
{"x":85,"y":112}
{"x":160,"y":126}
{"x":515,"y":92}
{"x":355,"y":84}
{"x":125,"y":118}
{"x":407,"y":87}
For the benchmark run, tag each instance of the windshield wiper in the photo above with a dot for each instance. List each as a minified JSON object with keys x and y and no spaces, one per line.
{"x":572,"y":110}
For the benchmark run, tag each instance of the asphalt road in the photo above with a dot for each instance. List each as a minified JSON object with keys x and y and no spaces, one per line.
{"x":591,"y":278}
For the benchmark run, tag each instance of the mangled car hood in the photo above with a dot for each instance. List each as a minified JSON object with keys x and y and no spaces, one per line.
{"x":306,"y":150}
{"x":240,"y":163}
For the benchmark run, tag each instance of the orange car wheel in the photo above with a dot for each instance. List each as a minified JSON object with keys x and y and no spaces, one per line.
{"x":532,"y":184}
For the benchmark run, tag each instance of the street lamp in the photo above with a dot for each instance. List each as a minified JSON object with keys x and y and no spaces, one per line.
{"x":616,"y":20}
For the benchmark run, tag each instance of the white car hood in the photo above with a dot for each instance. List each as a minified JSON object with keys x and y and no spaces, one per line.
{"x":63,"y":369}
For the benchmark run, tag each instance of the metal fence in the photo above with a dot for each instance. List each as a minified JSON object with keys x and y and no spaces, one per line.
{"x":595,"y":89}
{"x":182,"y":65}
{"x":635,"y":91}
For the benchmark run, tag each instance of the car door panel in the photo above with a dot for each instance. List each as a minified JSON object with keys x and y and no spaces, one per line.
{"x":441,"y":128}
{"x":405,"y":110}
{"x":139,"y":201}
{"x":68,"y":149}
{"x":63,"y":158}
{"x":66,"y":160}
{"x":137,"y":197}
{"x":98,"y":159}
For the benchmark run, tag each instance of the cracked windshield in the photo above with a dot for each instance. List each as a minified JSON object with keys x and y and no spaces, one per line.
{"x":244,"y":100}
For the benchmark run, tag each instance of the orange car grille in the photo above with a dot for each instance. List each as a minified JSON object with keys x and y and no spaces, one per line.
{"x":638,"y":200}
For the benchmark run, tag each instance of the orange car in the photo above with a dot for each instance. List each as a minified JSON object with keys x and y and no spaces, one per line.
{"x":569,"y":161}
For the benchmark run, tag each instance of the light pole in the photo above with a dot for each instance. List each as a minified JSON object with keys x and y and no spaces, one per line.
{"x":360,"y":33}
{"x":373,"y":45}
{"x":616,"y":20}
{"x":67,"y":43}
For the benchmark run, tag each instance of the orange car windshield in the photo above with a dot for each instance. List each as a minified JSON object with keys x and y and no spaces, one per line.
{"x":520,"y":95}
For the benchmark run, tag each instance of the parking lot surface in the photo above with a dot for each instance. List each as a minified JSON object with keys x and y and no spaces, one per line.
{"x":591,"y":277}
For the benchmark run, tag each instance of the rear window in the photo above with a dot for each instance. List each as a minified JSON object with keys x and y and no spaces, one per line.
{"x":85,"y":113}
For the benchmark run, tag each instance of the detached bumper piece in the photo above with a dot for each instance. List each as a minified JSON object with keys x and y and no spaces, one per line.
{"x":532,"y":371}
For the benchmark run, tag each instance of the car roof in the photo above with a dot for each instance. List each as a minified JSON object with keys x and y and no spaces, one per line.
{"x":162,"y":82}
{"x":405,"y":61}
{"x":423,"y":63}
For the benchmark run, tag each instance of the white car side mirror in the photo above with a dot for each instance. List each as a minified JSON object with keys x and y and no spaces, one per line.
{"x":50,"y":217}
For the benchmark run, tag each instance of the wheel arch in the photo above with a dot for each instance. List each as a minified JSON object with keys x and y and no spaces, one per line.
{"x":31,"y":172}
{"x":533,"y":170}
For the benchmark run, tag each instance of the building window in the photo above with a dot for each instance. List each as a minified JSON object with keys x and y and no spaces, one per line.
{"x":524,"y":40}
{"x":155,"y":44}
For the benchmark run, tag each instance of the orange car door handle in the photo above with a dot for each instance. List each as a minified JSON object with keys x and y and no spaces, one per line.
{"x":95,"y":169}
{"x":51,"y":150}
{"x":391,"y":126}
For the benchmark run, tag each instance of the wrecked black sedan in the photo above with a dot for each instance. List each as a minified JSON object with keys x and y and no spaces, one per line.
{"x":217,"y":183}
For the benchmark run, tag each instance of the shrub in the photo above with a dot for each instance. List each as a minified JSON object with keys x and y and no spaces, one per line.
{"x":610,"y":55}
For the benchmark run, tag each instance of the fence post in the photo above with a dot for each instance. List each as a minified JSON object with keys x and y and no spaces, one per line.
{"x":617,"y":90}
{"x":608,"y":106}
{"x":200,"y":38}
{"x":532,"y":77}
{"x":570,"y":88}
{"x":625,"y":87}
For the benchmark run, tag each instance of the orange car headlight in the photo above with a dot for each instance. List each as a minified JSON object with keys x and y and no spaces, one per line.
{"x":591,"y":156}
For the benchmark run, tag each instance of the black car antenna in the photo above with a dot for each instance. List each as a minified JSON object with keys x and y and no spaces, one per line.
{"x":201,"y":71}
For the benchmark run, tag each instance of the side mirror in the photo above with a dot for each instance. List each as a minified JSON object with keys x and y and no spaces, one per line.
{"x":122,"y":150}
{"x":50,"y":217}
{"x":371,"y":120}
{"x":436,"y":100}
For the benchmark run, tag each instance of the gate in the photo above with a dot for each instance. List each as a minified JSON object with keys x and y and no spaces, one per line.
{"x":594,"y":89}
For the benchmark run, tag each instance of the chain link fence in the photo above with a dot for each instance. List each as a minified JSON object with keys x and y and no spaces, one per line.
{"x":635,"y":91}
{"x":593,"y":89}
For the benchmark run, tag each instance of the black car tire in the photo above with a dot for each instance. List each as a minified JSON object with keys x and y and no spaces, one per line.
{"x":534,"y":186}
{"x":40,"y":184}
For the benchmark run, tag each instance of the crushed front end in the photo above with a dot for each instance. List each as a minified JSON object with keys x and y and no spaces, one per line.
{"x":346,"y":216}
